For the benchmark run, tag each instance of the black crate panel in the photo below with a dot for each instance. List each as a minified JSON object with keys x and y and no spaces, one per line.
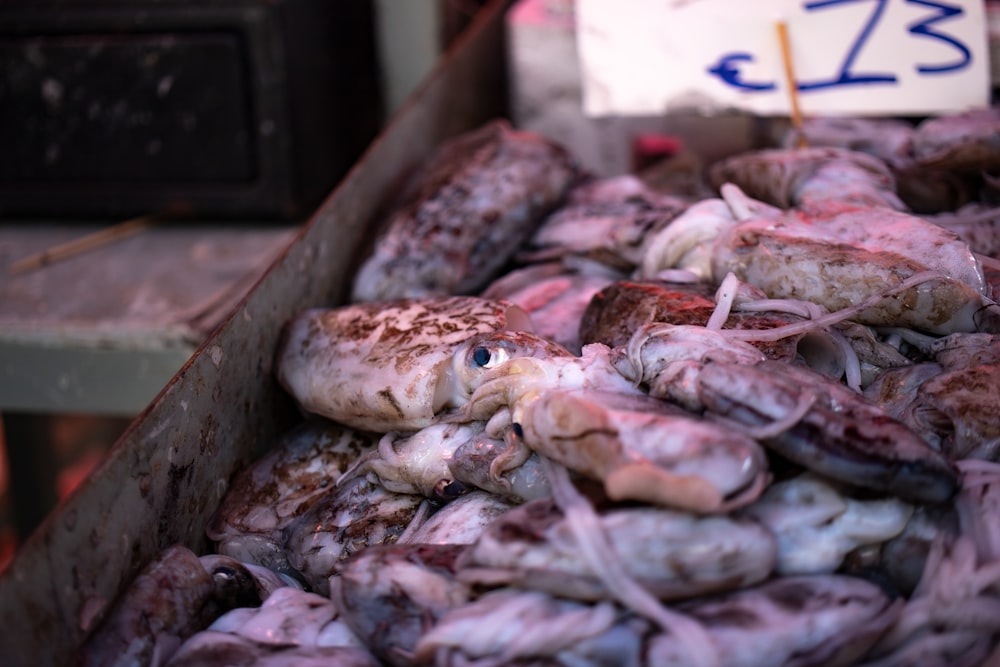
{"x":127,"y":109}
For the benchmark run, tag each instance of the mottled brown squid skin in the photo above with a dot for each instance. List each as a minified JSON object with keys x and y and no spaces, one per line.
{"x":616,"y":312}
{"x":378,"y":366}
{"x":358,"y":514}
{"x":471,"y":207}
{"x":642,"y":449}
{"x":963,"y":404}
{"x":679,"y":555}
{"x":776,"y":623}
{"x":841,"y":436}
{"x":391,"y":595}
{"x":965,"y":142}
{"x":170,"y":600}
{"x":282,"y":484}
{"x":789,"y":177}
{"x":788,"y":267}
{"x":276,"y":489}
{"x":473,"y":464}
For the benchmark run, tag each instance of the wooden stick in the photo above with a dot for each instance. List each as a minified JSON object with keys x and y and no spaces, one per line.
{"x":83,"y":244}
{"x":790,"y":84}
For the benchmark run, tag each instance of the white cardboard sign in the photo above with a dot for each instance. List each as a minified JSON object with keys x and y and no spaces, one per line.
{"x":868,"y":57}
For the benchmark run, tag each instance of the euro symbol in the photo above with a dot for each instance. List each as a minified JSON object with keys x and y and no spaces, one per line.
{"x":728,"y":69}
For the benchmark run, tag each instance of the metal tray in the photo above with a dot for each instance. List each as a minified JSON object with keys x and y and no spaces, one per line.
{"x":168,"y":471}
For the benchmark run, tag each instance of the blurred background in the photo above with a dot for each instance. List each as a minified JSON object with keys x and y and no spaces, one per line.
{"x":202,"y":134}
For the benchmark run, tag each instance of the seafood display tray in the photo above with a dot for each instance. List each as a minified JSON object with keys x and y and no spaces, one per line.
{"x":169,"y":470}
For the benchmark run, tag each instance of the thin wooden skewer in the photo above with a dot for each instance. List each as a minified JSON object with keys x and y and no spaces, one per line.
{"x":83,"y":244}
{"x":793,"y":89}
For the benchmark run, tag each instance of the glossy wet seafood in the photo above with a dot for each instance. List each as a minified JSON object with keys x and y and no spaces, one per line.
{"x":964,"y":142}
{"x":219,"y":649}
{"x":555,"y":295}
{"x":174,"y":597}
{"x":976,"y":224}
{"x":806,"y":417}
{"x":837,"y":256}
{"x":953,"y":619}
{"x":620,"y":309}
{"x":679,"y":556}
{"x":820,"y":620}
{"x":666,"y":359}
{"x":808,"y":177}
{"x":888,"y":139}
{"x":508,"y":625}
{"x":360,"y":513}
{"x":828,"y":429}
{"x":273,"y":491}
{"x":515,"y":381}
{"x":644,"y":450}
{"x":461,"y":521}
{"x":582,"y":412}
{"x":816,"y":526}
{"x":948,"y":400}
{"x":386,"y":366}
{"x":706,"y":462}
{"x":890,"y":246}
{"x":605,"y":220}
{"x":391,"y":595}
{"x":291,"y":628}
{"x":894,"y":391}
{"x":923,"y":187}
{"x":803,"y":620}
{"x":479,"y":462}
{"x":288,"y":617}
{"x":959,"y":351}
{"x":960,"y":405}
{"x":419,"y":463}
{"x":239,"y":583}
{"x":686,"y":244}
{"x":472,"y":206}
{"x":903,"y":558}
{"x":874,"y":355}
{"x":623,"y":306}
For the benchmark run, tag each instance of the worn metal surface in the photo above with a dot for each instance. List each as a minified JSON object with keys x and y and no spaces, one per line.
{"x":102,"y":332}
{"x":167,"y":473}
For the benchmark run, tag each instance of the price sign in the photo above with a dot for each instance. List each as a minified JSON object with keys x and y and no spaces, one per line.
{"x":892,"y":57}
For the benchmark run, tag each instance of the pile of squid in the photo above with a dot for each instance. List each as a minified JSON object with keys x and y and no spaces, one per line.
{"x":569,"y":420}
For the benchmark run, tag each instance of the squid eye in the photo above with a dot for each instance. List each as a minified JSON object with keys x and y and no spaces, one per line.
{"x":481,"y":356}
{"x":486,"y":357}
{"x":224,"y":575}
{"x":446,"y":489}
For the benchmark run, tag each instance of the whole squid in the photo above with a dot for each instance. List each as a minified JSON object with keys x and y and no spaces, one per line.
{"x":678,"y":556}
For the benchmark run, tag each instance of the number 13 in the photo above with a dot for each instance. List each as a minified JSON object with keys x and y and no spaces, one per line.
{"x":924,"y":28}
{"x":727,"y":67}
